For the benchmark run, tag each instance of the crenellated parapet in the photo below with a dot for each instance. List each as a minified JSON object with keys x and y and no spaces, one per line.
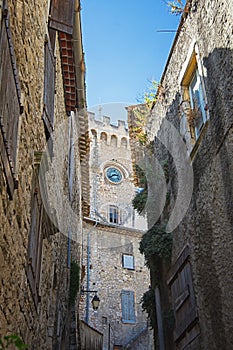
{"x":105,"y":132}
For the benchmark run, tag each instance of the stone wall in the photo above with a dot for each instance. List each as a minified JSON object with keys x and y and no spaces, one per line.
{"x":207,"y":226}
{"x":38,"y":316}
{"x":108,"y":277}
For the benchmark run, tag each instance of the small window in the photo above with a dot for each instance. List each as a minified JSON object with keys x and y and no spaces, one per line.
{"x":104,"y":320}
{"x":128,"y":261}
{"x":128,"y":306}
{"x":114,"y":214}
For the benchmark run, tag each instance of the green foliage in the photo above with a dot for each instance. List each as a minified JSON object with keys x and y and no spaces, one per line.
{"x":139,"y":202}
{"x":9,"y":340}
{"x":137,"y":129}
{"x":140,"y":199}
{"x":151,"y":94}
{"x":148,"y":305}
{"x":156,"y":243}
{"x":74,"y":282}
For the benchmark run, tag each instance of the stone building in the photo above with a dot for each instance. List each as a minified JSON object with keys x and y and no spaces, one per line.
{"x":110,"y":159}
{"x":43,"y":167}
{"x":114,"y":267}
{"x":192,"y":118}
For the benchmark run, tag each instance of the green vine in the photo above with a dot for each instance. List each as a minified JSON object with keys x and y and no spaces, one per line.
{"x":156,"y":246}
{"x":8,"y":340}
{"x":156,"y":243}
{"x":139,"y":201}
{"x":74,"y":282}
{"x":148,"y":305}
{"x":151,"y":95}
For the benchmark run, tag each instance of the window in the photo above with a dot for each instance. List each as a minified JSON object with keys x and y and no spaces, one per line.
{"x":128,"y":306}
{"x":197,"y":102}
{"x":193,"y":100}
{"x":114,"y":214}
{"x":10,"y":105}
{"x":128,"y":261}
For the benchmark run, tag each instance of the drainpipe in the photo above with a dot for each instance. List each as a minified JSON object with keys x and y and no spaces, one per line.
{"x":88,"y":278}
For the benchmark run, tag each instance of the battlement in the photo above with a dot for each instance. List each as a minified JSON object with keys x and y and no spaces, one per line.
{"x":106,"y":122}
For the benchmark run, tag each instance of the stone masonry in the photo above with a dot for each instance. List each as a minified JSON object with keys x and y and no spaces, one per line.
{"x":202,"y":243}
{"x":35,"y":252}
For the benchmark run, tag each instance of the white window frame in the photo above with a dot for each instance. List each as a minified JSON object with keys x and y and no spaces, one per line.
{"x":128,"y":261}
{"x":114,"y":211}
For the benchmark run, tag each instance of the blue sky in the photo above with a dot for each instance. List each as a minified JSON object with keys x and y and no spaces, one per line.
{"x":123,"y":50}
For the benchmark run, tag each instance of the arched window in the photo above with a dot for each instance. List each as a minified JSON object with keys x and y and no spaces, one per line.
{"x":103,"y":137}
{"x":124,"y":142}
{"x":114,"y":141}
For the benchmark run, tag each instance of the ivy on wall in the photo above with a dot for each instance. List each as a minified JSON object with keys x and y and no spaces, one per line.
{"x":139,"y":201}
{"x":156,"y":242}
{"x":156,"y":246}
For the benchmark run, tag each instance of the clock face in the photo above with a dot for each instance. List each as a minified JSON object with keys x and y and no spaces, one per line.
{"x":114,"y":175}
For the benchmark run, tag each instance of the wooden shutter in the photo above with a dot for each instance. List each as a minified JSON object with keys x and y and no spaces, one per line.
{"x":62,"y":15}
{"x":35,"y":241}
{"x":10,"y":106}
{"x":49,"y":86}
{"x":128,"y":306}
{"x":183,"y":297}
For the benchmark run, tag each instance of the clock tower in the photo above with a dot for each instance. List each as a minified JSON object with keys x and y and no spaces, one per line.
{"x":111,"y":175}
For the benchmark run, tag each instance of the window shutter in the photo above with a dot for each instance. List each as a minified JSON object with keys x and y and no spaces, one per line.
{"x":10,"y":106}
{"x":49,"y":87}
{"x":183,"y":297}
{"x":131,"y":307}
{"x":35,"y":241}
{"x":62,"y":15}
{"x":128,"y":306}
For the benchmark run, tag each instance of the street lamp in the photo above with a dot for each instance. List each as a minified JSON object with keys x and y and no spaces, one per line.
{"x":95,"y":301}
